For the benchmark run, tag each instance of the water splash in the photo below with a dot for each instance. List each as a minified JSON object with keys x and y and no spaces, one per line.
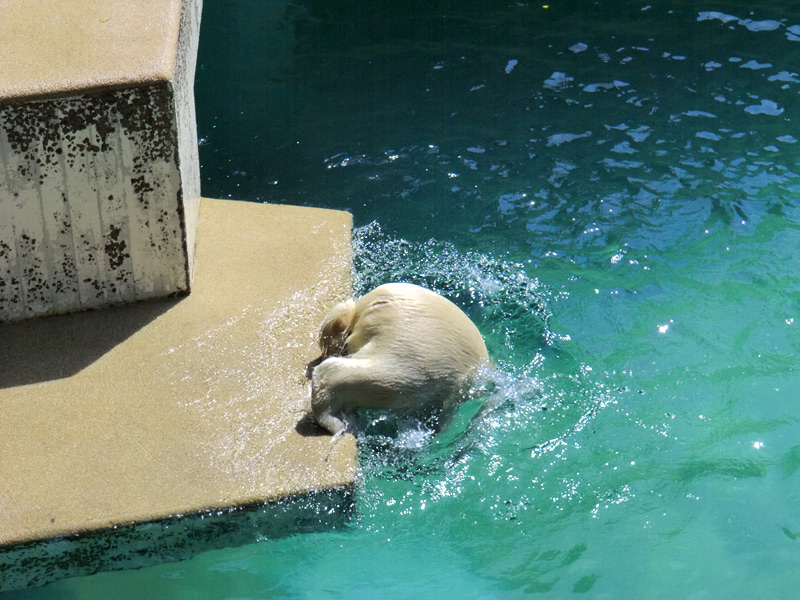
{"x":510,"y":307}
{"x":533,"y":401}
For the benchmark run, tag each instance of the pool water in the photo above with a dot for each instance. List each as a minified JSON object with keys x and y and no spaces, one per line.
{"x":610,"y":190}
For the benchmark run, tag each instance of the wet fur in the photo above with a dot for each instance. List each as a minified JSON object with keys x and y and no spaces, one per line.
{"x":399,"y":347}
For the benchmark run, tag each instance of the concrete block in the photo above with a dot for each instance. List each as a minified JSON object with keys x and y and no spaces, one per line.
{"x":99,"y":173}
{"x":183,"y":406}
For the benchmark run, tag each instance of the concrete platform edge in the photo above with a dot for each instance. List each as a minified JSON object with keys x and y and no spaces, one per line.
{"x":127,"y":419}
{"x":172,"y":539}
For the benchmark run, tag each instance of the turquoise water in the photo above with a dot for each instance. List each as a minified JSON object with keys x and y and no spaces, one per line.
{"x":610,"y":190}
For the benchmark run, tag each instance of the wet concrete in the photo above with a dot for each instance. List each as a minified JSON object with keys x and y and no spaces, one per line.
{"x":181,"y":406}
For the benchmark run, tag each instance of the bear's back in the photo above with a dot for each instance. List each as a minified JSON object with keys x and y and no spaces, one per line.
{"x":411,"y":322}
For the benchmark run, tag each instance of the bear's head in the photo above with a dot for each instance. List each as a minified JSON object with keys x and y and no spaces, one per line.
{"x":336,"y":328}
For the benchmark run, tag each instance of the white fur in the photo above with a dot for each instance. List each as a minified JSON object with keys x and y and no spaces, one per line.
{"x":398,"y":347}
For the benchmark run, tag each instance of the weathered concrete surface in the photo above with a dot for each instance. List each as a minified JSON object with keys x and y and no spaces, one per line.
{"x":174,"y":539}
{"x":178,"y":406}
{"x":99,"y":173}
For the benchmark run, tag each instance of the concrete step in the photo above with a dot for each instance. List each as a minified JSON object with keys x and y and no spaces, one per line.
{"x":99,"y":172}
{"x":183,"y":406}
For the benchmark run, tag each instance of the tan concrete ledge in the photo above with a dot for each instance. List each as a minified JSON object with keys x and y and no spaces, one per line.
{"x":52,"y":47}
{"x":179,"y":406}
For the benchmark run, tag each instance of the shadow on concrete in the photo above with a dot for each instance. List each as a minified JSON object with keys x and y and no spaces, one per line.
{"x":308,"y":427}
{"x":56,"y":347}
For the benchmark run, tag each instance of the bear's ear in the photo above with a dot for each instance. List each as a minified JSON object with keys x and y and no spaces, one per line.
{"x":336,"y":328}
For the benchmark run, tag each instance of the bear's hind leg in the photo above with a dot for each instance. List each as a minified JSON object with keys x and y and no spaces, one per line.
{"x":339,"y":384}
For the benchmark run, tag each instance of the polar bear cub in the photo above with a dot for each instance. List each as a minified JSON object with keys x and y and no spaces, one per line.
{"x":399,"y":347}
